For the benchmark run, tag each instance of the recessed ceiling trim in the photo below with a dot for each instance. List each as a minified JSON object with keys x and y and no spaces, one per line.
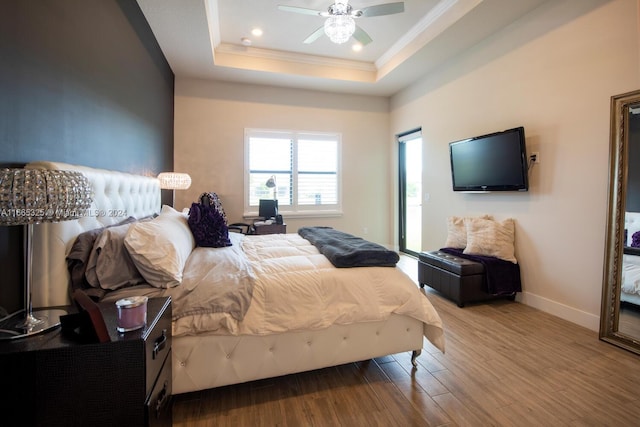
{"x":279,"y":55}
{"x":293,"y":68}
{"x":439,"y":19}
{"x":434,"y":14}
{"x":211,"y":9}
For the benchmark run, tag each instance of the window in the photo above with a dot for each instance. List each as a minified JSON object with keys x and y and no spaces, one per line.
{"x":306,"y":168}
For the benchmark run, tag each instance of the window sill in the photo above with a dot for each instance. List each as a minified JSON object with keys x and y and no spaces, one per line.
{"x":298,"y":214}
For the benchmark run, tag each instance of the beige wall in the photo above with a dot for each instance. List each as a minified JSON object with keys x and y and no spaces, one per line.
{"x":553,"y":73}
{"x":210,"y":118}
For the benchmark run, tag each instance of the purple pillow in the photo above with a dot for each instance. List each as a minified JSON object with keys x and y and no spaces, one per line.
{"x":635,"y":240}
{"x":208,"y":226}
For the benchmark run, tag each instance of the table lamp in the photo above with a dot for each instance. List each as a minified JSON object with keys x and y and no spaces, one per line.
{"x":271,"y":183}
{"x":28,"y":197}
{"x":174,"y":181}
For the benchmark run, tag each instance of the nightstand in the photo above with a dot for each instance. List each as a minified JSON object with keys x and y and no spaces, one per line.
{"x":50,"y":380}
{"x":271,"y":229}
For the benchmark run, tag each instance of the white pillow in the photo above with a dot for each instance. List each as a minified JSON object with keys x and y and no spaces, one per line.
{"x":160,"y":247}
{"x":491,"y":238}
{"x":457,"y":232}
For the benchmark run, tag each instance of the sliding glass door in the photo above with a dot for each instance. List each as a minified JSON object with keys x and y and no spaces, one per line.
{"x":410,"y":181}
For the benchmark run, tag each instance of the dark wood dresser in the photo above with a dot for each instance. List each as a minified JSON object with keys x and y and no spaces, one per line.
{"x":49,"y":380}
{"x":270,"y":229}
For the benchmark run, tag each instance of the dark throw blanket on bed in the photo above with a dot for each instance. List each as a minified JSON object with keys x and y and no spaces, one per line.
{"x":502,"y":277}
{"x":346,"y":250}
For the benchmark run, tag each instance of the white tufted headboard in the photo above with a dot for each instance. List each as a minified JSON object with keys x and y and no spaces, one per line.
{"x":116,"y":196}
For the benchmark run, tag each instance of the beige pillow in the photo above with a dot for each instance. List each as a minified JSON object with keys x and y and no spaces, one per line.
{"x":457,"y":232}
{"x":80,"y":260}
{"x":114,"y":267}
{"x":491,"y":238}
{"x":160,"y":247}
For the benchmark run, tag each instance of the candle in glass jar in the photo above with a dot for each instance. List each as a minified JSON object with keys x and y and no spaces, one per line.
{"x":132,"y":313}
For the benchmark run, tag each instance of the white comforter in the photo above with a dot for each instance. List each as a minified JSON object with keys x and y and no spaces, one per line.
{"x":295,"y":288}
{"x":631,"y":274}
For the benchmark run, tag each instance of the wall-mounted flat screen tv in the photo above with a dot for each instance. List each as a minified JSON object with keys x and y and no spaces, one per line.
{"x":493,"y":162}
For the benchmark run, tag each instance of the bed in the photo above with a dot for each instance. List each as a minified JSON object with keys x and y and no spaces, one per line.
{"x":380,"y":312}
{"x":630,"y":289}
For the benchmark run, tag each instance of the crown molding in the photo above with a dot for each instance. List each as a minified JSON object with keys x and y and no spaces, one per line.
{"x":426,"y":29}
{"x":293,"y":57}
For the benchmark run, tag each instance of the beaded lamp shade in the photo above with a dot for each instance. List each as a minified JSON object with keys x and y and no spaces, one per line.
{"x":174,"y":181}
{"x":28,"y":197}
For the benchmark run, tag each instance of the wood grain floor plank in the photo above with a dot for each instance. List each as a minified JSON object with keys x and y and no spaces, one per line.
{"x":464,"y":415}
{"x":430,"y":363}
{"x":530,"y":413}
{"x":413,"y":390}
{"x":471,"y":392}
{"x":422,"y":378}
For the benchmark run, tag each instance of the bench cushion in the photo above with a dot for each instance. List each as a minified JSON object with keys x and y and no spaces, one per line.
{"x":452,"y":263}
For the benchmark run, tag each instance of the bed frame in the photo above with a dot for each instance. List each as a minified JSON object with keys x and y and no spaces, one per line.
{"x":205,"y":361}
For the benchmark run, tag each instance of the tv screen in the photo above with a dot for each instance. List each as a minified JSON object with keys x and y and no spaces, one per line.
{"x":493,"y":162}
{"x":268,"y":208}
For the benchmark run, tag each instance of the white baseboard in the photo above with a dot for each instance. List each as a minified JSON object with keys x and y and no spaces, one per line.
{"x":582,"y":318}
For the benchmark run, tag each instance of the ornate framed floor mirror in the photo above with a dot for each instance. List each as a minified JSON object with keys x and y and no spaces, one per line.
{"x":620,"y":312}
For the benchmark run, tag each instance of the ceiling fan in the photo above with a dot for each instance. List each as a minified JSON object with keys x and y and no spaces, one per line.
{"x":340,"y":24}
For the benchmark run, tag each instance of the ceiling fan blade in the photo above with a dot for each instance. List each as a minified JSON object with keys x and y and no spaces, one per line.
{"x":302,"y":10}
{"x":314,"y":36}
{"x":362,"y":36}
{"x":382,"y":9}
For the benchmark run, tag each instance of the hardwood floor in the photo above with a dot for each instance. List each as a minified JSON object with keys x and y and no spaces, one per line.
{"x":505,"y":364}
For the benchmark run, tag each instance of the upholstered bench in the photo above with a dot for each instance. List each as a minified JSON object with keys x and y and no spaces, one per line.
{"x":458,"y":279}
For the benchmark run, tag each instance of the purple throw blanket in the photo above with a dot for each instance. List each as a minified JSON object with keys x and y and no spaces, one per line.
{"x":501,"y":277}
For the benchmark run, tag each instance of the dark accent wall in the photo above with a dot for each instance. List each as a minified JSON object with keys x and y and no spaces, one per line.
{"x":82,"y":82}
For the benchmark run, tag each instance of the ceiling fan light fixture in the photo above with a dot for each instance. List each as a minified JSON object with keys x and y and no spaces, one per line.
{"x":339,"y":28}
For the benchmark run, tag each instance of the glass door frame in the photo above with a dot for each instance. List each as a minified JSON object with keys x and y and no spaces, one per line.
{"x":402,"y":188}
